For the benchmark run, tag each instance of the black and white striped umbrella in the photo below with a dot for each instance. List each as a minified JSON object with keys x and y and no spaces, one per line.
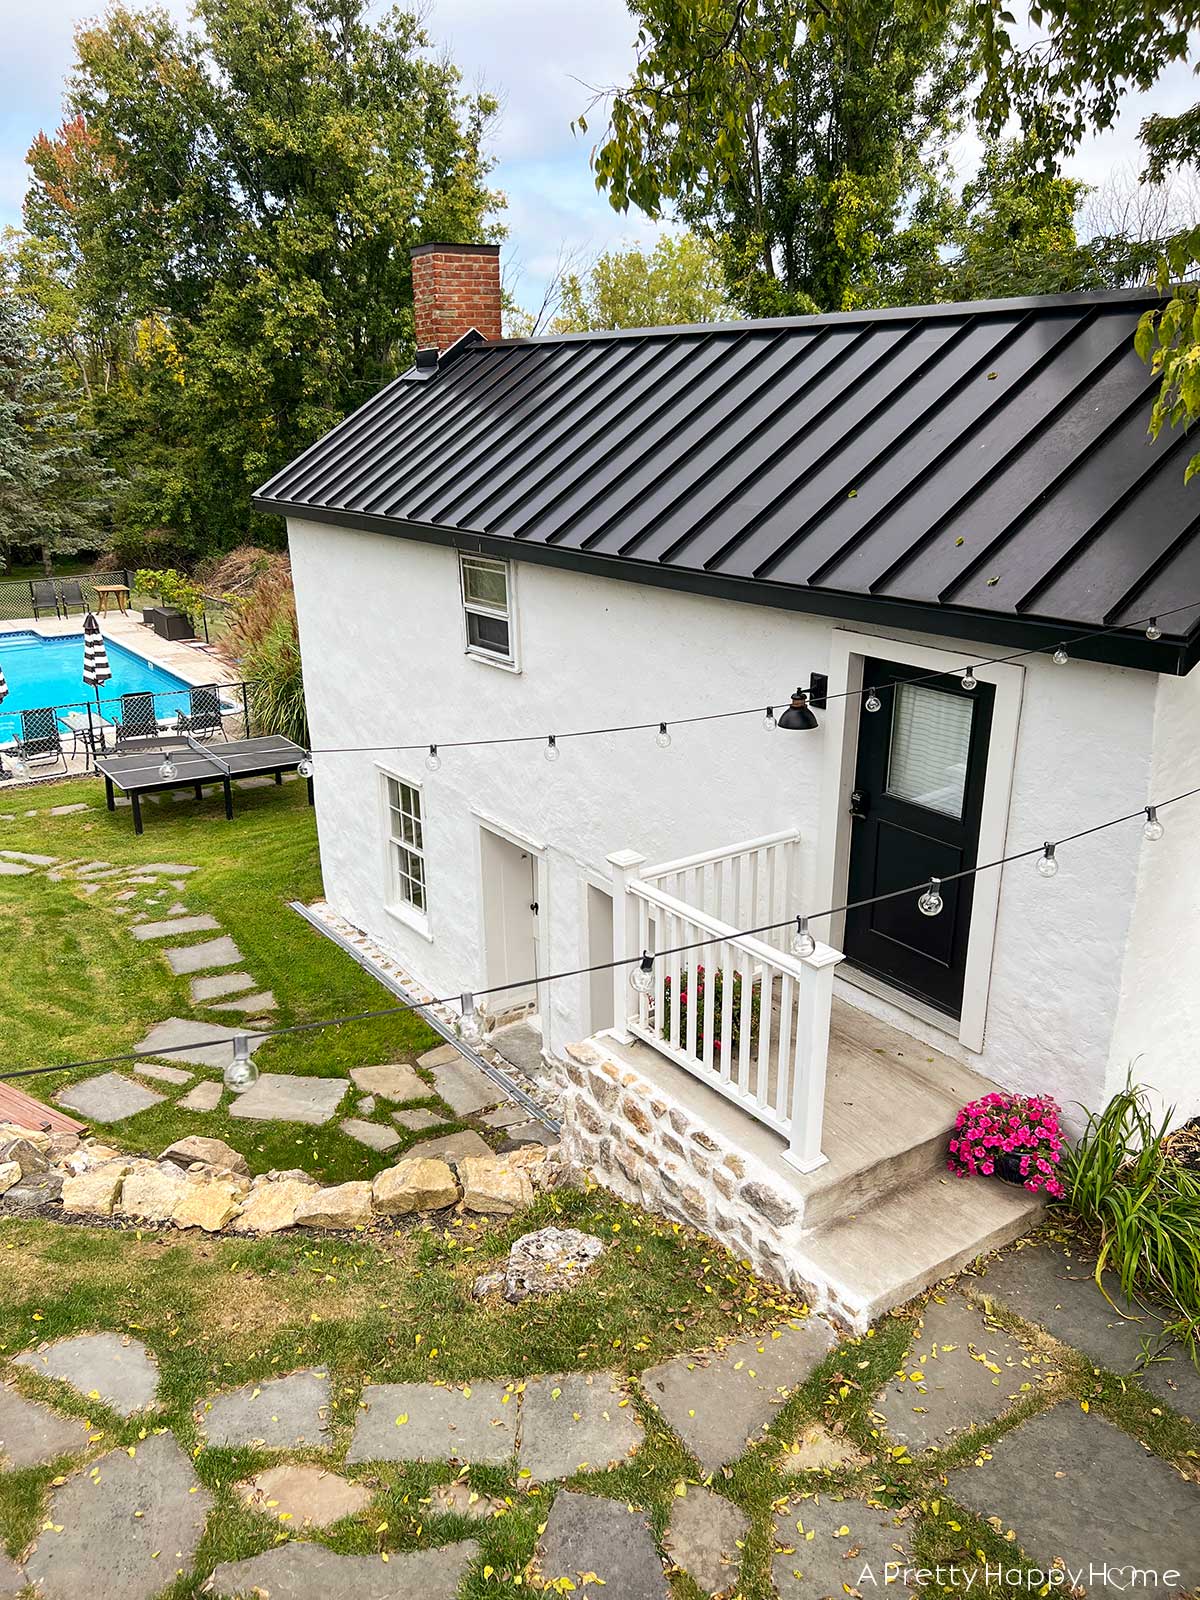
{"x":96,"y":669}
{"x":3,"y":684}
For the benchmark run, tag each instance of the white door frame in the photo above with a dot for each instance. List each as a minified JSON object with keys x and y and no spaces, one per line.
{"x":537,"y":854}
{"x":840,"y":723}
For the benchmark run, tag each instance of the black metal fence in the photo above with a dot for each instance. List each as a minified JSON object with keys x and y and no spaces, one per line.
{"x":87,"y":727}
{"x":51,"y":597}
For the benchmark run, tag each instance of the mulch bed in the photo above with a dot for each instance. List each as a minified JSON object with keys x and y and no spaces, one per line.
{"x":1182,"y":1144}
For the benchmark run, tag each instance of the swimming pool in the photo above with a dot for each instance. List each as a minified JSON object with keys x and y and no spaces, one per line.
{"x":49,"y":672}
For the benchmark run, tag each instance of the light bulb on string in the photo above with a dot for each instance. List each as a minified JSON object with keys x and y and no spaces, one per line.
{"x":17,"y":766}
{"x":930,"y":904}
{"x":1153,"y":631}
{"x":305,"y":766}
{"x":167,"y":768}
{"x":769,"y":719}
{"x":802,"y":942}
{"x":433,"y":761}
{"x":1047,"y":863}
{"x":1152,"y":828}
{"x":662,"y":738}
{"x":1060,"y":657}
{"x":470,"y":1023}
{"x":873,"y":702}
{"x":969,"y":680}
{"x":241,"y":1071}
{"x":551,"y":750}
{"x":642,"y":976}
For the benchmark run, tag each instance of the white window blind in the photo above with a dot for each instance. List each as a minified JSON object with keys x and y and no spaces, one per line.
{"x":931,"y":741}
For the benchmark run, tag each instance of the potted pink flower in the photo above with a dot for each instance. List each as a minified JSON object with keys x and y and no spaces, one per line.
{"x":1015,"y":1137}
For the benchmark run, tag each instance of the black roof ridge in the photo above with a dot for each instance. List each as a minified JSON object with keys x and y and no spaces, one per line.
{"x":948,"y":308}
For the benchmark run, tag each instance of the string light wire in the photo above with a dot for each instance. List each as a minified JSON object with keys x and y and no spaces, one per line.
{"x":261,"y":1035}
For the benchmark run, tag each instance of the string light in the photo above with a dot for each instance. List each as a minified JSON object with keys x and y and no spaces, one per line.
{"x":642,"y":976}
{"x":1152,"y":828}
{"x":18,"y":766}
{"x":1047,"y":861}
{"x":802,"y":942}
{"x":930,"y":904}
{"x":769,"y":719}
{"x":872,"y":702}
{"x":1060,"y":657}
{"x":662,"y":738}
{"x":241,"y":1071}
{"x":551,"y":750}
{"x":433,"y":761}
{"x":470,"y":1023}
{"x":969,"y":680}
{"x":305,"y":766}
{"x":1153,"y":631}
{"x":167,"y":768}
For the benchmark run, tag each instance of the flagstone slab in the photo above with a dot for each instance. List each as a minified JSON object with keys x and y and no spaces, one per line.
{"x":220,"y":983}
{"x":418,"y":1118}
{"x":507,"y":1116}
{"x":69,"y":811}
{"x":169,"y":869}
{"x":311,"y":1572}
{"x":12,"y":1580}
{"x":587,"y":1534}
{"x":440,"y":1055}
{"x":373,"y":1134}
{"x":705,"y":1538}
{"x":32,"y":1434}
{"x":433,"y":1422}
{"x":720,"y":1403}
{"x":452,"y":1146}
{"x":576,"y":1422}
{"x":307,"y":1497}
{"x":250,"y":1006}
{"x":104,"y":1366}
{"x":107,"y":1098}
{"x":176,"y":925}
{"x":464,"y":1088}
{"x":14,"y":869}
{"x":204,"y":1097}
{"x":848,"y":1536}
{"x":391,"y":1080}
{"x":277,"y":1414}
{"x":288,"y":1097}
{"x":187,"y":958}
{"x":122,"y":1529}
{"x":29,"y":857}
{"x":152,"y":1069}
{"x":1074,"y":1486}
{"x":201,"y":1044}
{"x":957,"y":1374}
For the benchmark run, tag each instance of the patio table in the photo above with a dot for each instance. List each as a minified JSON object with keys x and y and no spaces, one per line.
{"x":138,"y":774}
{"x":107,"y":592}
{"x":90,"y":731}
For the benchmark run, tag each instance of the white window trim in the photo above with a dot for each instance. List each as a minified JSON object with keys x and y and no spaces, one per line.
{"x":510,"y":662}
{"x":402,"y":910}
{"x":847,"y":652}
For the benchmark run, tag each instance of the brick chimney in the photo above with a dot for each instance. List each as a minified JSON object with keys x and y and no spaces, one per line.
{"x":456,"y":287}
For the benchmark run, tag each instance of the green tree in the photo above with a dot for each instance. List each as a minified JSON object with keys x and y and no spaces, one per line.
{"x":814,"y":159}
{"x":231,"y":206}
{"x":679,"y":281}
{"x":53,"y":489}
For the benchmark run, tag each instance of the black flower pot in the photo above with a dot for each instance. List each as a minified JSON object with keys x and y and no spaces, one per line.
{"x":1008,"y":1167}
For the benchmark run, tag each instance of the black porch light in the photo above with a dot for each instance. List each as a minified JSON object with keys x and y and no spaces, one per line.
{"x":799,"y":716}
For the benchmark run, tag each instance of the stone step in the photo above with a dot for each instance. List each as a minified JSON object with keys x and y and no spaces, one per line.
{"x":879,"y":1257}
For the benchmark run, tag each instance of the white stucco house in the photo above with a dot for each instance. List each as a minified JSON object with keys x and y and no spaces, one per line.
{"x":536,"y":537}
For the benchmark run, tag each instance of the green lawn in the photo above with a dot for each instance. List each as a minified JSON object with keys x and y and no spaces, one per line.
{"x":78,"y":986}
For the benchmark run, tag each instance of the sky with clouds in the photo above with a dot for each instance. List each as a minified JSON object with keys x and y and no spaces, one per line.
{"x":540,"y":56}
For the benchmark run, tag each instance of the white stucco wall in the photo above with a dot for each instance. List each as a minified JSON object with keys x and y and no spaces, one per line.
{"x":383,"y":652}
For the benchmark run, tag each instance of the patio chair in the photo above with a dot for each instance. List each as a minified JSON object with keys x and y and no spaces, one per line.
{"x":203,"y":718}
{"x":70,"y":593}
{"x":43,"y":593}
{"x":40,"y":743}
{"x":137,"y":723}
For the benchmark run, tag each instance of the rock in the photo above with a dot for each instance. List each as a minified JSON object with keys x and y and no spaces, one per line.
{"x":440,"y":1057}
{"x":415,"y":1185}
{"x":208,"y":1204}
{"x":28,"y":1156}
{"x":347,"y":1205}
{"x":587,"y":1534}
{"x":299,"y":1571}
{"x":59,"y":1146}
{"x":373,"y":1134}
{"x":276,"y":1414}
{"x":705,"y":1538}
{"x":213,"y":1152}
{"x":488,"y":1283}
{"x":272,"y":1206}
{"x":10,"y":1173}
{"x":548,"y":1261}
{"x":204,"y":1097}
{"x":493,"y":1185}
{"x":150,"y":1193}
{"x":418,"y":1118}
{"x":108,"y":1098}
{"x":94,"y":1192}
{"x":32,"y":1193}
{"x":391,"y":1080}
{"x":453,"y":1146}
{"x":308,"y":1497}
{"x":117,"y":1370}
{"x":366,"y":1106}
{"x":32,"y":1435}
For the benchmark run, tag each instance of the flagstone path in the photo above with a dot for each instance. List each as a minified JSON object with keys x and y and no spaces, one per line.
{"x":310,"y":1572}
{"x":279,"y":1414}
{"x":102,"y":1366}
{"x":31,"y":1434}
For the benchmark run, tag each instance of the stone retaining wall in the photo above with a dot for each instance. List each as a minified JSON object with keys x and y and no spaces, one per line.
{"x":637,"y":1140}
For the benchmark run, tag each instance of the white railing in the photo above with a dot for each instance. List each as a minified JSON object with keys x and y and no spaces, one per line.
{"x":749,"y":884}
{"x":749,"y":1020}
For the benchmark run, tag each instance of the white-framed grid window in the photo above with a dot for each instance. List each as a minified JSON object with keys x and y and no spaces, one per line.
{"x":488,"y":611}
{"x":406,"y":843}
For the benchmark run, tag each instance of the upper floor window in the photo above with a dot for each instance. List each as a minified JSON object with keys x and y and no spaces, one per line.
{"x":487,"y":607}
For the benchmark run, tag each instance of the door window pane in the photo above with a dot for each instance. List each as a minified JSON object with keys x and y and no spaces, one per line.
{"x":931,"y":741}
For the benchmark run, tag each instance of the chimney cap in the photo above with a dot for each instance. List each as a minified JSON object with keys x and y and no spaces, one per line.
{"x":448,"y":247}
{"x":427,"y":357}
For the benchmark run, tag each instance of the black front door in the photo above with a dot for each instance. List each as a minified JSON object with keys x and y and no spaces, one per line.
{"x":918,"y":795}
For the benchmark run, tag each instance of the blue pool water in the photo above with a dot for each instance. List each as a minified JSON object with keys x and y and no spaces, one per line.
{"x":49,"y":672}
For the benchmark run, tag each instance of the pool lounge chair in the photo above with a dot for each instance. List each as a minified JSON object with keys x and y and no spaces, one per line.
{"x":70,"y":593}
{"x":137,"y":723}
{"x":43,"y":594}
{"x":203,"y":717}
{"x":40,"y":743}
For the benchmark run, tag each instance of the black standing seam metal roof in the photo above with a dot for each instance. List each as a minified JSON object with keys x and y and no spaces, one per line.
{"x":979,"y":470}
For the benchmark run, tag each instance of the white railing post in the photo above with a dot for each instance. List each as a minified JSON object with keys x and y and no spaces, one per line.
{"x":624,"y":864}
{"x":810,"y":1058}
